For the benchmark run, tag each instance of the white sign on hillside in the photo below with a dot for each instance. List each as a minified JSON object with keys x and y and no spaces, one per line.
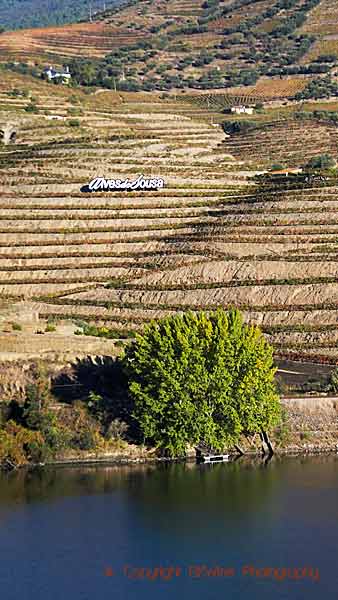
{"x":99,"y":184}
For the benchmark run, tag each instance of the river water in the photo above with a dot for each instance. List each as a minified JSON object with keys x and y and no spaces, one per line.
{"x":224,"y":531}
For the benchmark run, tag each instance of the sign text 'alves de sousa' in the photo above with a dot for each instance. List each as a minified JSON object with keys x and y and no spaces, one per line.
{"x":99,"y":184}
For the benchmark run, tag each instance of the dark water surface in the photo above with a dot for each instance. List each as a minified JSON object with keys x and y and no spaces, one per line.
{"x":86,"y":533}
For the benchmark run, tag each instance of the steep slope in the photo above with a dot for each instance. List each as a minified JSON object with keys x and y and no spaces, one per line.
{"x":156,"y":44}
{"x":323,"y":23}
{"x":210,"y":237}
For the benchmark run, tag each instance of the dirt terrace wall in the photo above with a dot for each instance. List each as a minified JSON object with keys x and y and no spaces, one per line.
{"x":311,"y":424}
{"x":53,"y":346}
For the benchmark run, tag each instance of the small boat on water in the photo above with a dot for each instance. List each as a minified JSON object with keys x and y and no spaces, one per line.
{"x":209,"y":457}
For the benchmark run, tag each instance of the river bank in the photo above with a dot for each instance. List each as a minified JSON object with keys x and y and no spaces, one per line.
{"x":309,"y":426}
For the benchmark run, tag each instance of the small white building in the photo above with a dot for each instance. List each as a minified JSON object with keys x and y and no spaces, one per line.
{"x":241,"y":109}
{"x":52,"y":73}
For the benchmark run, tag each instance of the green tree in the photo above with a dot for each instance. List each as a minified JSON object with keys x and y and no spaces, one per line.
{"x":201,"y":378}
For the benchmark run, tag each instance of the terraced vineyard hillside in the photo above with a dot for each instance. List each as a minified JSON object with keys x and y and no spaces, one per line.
{"x":286,"y":141}
{"x":211,"y":237}
{"x":323,"y":23}
{"x":156,"y":44}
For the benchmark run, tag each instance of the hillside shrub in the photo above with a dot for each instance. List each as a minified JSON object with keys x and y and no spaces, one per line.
{"x":19,"y":445}
{"x":322,"y":161}
{"x":243,"y":126}
{"x":73,"y":123}
{"x":31,"y":108}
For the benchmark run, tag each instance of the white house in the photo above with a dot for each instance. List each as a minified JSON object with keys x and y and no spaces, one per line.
{"x":241,"y":109}
{"x":52,"y":73}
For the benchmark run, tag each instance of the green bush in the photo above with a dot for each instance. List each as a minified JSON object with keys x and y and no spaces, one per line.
{"x":31,"y":108}
{"x":243,"y":126}
{"x":277,"y":167}
{"x":19,"y":446}
{"x":73,"y":123}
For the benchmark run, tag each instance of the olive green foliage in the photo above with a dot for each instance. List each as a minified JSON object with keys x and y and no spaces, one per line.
{"x":73,"y":123}
{"x":37,"y":415}
{"x":277,"y":167}
{"x":18,"y":445}
{"x":323,"y":87}
{"x":31,"y":108}
{"x":37,"y":433}
{"x":243,"y":126}
{"x":322,"y":161}
{"x":16,"y":14}
{"x":201,"y":378}
{"x":105,"y":332}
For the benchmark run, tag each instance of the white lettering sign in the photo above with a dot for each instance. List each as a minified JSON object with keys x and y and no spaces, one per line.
{"x":141,"y":183}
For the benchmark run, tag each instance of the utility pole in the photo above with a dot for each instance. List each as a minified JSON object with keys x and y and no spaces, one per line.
{"x":90,"y":12}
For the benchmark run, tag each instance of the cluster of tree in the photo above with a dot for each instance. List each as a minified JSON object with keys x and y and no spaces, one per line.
{"x":318,"y":88}
{"x":113,"y":73}
{"x":23,"y":68}
{"x":251,"y":52}
{"x":326,"y":58}
{"x":16,"y":14}
{"x":296,"y":19}
{"x":287,"y":24}
{"x":328,"y":116}
{"x":312,"y":68}
{"x":271,"y":54}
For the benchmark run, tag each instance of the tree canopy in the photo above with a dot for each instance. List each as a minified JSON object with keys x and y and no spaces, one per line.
{"x":18,"y":14}
{"x":201,"y":378}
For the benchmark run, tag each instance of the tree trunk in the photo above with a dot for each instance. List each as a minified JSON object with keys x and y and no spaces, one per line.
{"x":267,"y":441}
{"x":263,"y":446}
{"x":239,"y":450}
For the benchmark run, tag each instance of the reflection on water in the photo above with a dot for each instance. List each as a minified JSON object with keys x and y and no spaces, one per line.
{"x":58,"y":522}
